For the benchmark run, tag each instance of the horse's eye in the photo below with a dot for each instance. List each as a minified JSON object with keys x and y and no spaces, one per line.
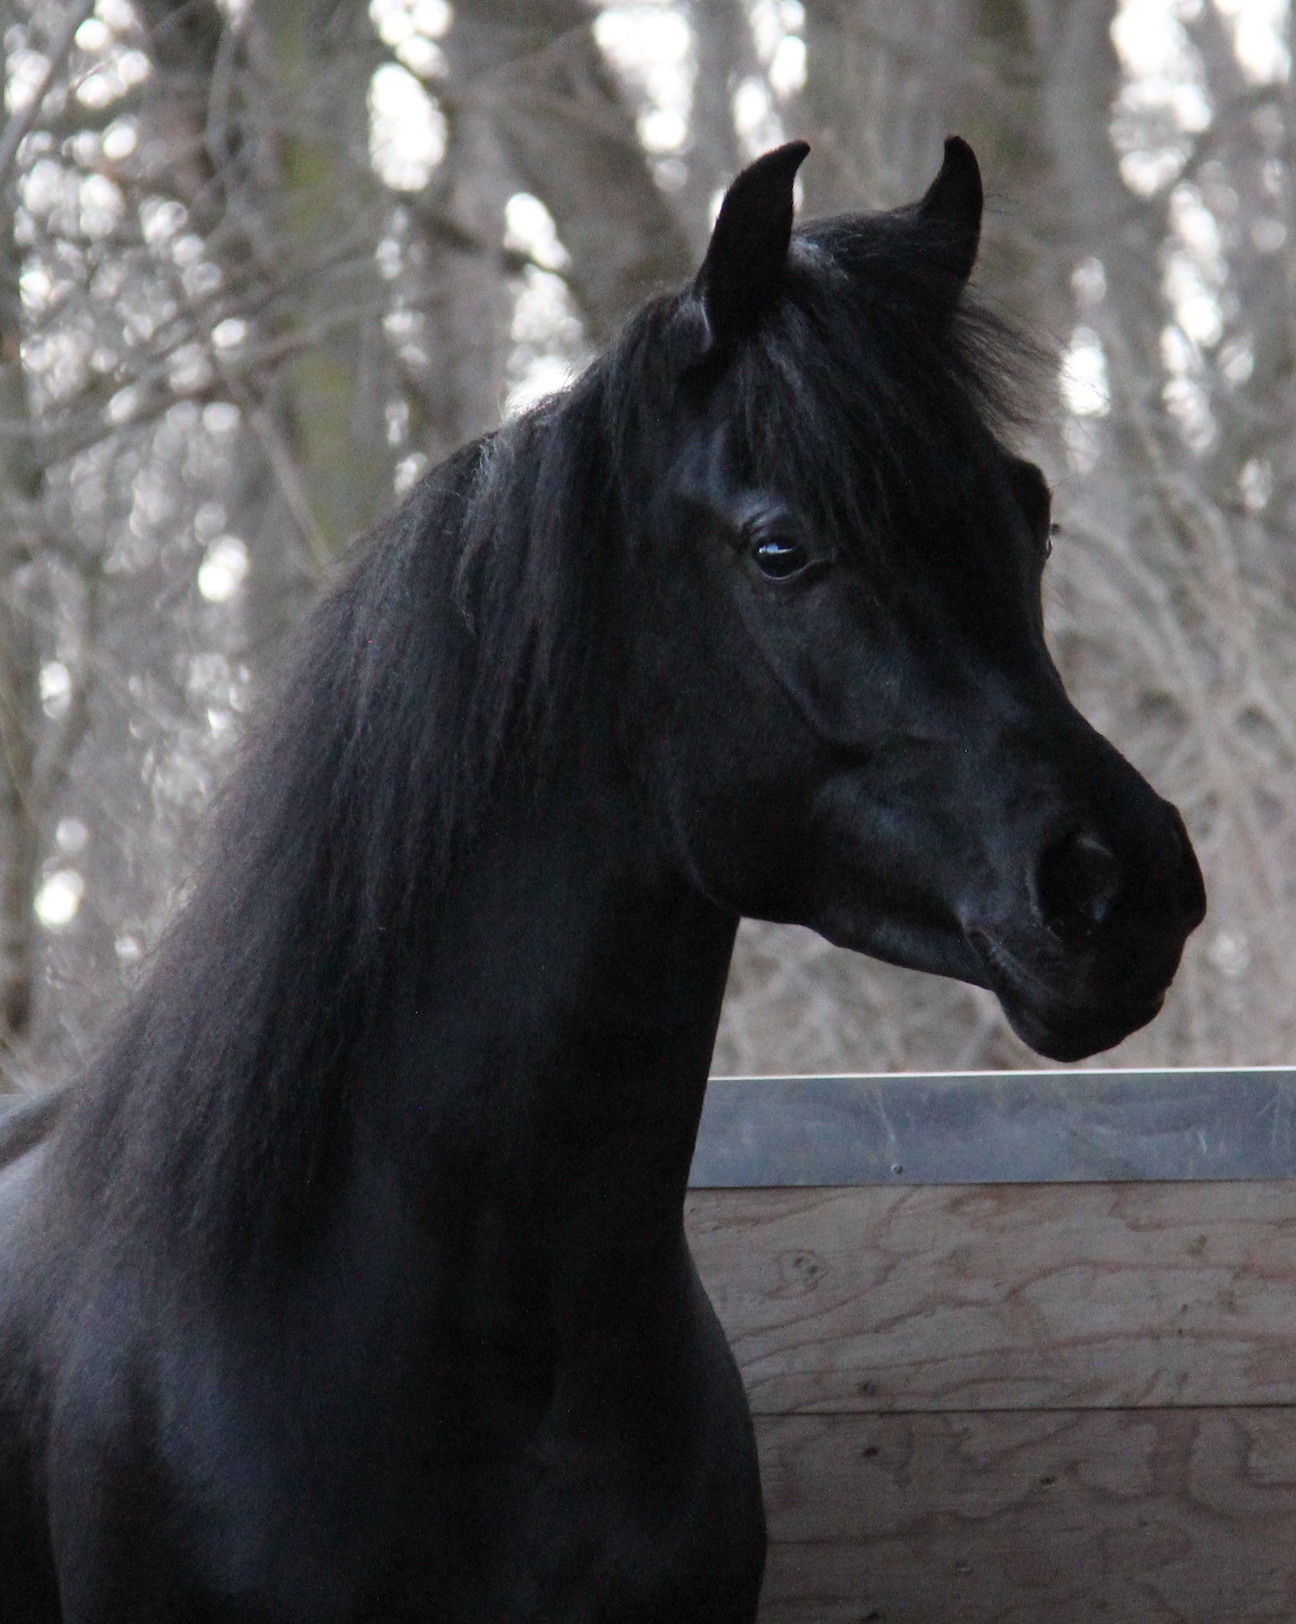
{"x":779,"y":557}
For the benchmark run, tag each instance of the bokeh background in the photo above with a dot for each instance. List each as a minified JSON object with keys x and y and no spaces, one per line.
{"x":263,"y":262}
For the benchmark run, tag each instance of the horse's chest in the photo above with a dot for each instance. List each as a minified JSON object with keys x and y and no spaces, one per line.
{"x":566,"y":1531}
{"x":615,"y":1487}
{"x":447,"y":1467}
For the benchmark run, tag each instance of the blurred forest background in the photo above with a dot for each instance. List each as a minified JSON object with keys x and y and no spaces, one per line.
{"x":265,"y":261}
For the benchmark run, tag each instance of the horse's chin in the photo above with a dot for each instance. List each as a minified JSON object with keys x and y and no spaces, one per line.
{"x":1060,"y":1033}
{"x":1065,"y":1017}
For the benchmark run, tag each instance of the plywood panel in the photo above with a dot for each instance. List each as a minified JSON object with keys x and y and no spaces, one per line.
{"x":1128,"y":1517}
{"x":1005,"y":1296}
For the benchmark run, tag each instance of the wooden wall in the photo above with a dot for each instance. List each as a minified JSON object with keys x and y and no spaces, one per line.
{"x":1017,"y":1404}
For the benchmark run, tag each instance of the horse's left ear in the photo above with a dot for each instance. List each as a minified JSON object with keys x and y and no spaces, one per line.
{"x":951,"y":210}
{"x":743,"y":268}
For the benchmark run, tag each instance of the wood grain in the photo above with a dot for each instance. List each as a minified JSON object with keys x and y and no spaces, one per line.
{"x":1122,"y":1516}
{"x":1005,"y":1296}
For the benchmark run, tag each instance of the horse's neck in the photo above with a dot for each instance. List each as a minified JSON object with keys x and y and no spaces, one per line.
{"x":556,"y":1026}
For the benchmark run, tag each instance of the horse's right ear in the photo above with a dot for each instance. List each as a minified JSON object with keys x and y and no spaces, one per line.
{"x":743,"y":269}
{"x":950,"y":211}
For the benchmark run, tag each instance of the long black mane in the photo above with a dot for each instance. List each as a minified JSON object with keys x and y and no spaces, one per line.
{"x":441,"y":675}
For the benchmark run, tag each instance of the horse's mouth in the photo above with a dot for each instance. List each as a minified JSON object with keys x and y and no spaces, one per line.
{"x":1057,"y":1018}
{"x":1073,"y":1034}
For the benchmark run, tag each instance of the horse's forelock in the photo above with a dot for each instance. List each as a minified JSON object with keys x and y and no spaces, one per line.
{"x":868,"y":375}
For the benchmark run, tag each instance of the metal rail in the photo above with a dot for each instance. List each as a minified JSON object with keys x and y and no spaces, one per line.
{"x":1015,"y":1127}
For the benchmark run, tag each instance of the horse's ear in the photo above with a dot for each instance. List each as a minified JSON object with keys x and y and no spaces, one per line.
{"x":951,"y":210}
{"x":744,"y":263}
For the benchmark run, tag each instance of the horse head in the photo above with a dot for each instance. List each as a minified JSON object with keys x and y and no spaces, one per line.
{"x":844,"y":690}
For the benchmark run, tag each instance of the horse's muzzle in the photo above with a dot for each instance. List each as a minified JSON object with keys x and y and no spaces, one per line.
{"x":1107,"y":924}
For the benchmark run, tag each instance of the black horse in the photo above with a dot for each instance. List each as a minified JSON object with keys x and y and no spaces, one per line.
{"x":351,"y":1283}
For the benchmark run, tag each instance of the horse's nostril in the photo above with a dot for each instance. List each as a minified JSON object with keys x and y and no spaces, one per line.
{"x":1077,"y":883}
